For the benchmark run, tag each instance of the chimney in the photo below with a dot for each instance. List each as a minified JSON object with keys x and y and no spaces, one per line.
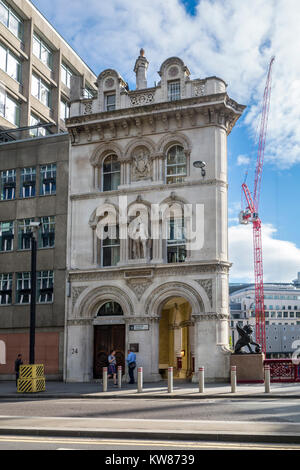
{"x":140,"y":69}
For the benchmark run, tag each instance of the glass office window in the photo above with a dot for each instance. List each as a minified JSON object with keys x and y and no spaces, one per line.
{"x":42,"y":51}
{"x":6,"y":289}
{"x":23,"y":288}
{"x":10,"y":64}
{"x":8,"y":185}
{"x":24,"y":234}
{"x":28,"y":182}
{"x":47,"y":232}
{"x":11,"y":20}
{"x":45,"y":285}
{"x":66,"y":74}
{"x":48,"y":179}
{"x":41,"y":91}
{"x":6,"y":236}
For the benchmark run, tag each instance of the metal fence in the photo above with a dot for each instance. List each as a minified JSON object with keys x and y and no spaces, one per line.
{"x":283,"y":370}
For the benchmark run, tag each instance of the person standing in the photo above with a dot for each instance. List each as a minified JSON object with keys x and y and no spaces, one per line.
{"x":131,"y":361}
{"x":18,"y":363}
{"x":112,"y":366}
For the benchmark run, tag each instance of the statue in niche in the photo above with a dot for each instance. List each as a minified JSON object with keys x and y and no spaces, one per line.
{"x":139,"y":234}
{"x":141,"y":168}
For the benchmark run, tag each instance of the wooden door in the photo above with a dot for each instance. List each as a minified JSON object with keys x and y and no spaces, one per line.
{"x":106,"y":338}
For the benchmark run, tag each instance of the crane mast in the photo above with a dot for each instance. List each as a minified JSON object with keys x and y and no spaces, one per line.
{"x":251,"y":215}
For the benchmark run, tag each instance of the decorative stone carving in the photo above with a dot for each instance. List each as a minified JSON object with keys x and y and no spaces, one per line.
{"x":142,"y":98}
{"x":139,"y":286}
{"x":87,"y":107}
{"x":109,"y":82}
{"x":207,"y":286}
{"x":199,"y":90}
{"x":174,"y":71}
{"x":141,"y":164}
{"x":76,"y":292}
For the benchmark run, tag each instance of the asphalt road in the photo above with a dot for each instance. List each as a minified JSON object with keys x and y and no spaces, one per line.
{"x":262,"y":410}
{"x":152,"y":447}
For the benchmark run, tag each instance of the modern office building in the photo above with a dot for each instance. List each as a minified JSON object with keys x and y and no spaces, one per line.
{"x":282,"y":311}
{"x":33,"y":175}
{"x":145,"y":166}
{"x":36,"y":66}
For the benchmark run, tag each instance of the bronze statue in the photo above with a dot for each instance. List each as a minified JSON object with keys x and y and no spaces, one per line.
{"x":246,"y":339}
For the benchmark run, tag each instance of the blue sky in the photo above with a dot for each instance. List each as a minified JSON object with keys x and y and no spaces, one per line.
{"x":235,"y":41}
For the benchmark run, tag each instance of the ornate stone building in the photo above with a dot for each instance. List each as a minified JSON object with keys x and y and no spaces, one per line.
{"x":147,"y":246}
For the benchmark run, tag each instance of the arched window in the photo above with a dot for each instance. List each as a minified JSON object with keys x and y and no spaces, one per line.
{"x":176,"y":165}
{"x":176,"y":244}
{"x":111,"y":173}
{"x":110,"y":309}
{"x":111,"y":246}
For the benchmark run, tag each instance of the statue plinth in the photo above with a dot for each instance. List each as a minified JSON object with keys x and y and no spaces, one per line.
{"x":249,"y":367}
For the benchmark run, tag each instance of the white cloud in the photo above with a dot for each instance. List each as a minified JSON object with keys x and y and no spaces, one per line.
{"x":243,"y":160}
{"x":281,"y":258}
{"x":233,"y":39}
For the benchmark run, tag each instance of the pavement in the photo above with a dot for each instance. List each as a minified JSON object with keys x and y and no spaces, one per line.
{"x":55,"y":390}
{"x":158,"y":429}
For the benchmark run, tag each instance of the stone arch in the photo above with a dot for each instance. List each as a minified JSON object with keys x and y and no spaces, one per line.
{"x":144,"y":142}
{"x":160,"y":294}
{"x":172,"y":61}
{"x":174,"y":138}
{"x":104,"y":151}
{"x":92,"y":298}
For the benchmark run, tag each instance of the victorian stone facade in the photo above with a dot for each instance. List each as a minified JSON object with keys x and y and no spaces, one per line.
{"x":136,"y":278}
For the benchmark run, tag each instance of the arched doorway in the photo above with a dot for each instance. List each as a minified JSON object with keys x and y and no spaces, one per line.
{"x":108,"y":336}
{"x":176,"y":338}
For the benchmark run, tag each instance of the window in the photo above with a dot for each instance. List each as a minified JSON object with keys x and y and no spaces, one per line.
{"x":176,"y":165}
{"x":285,"y":315}
{"x":111,"y":173}
{"x":89,"y":93}
{"x":273,"y":315}
{"x":6,"y":236}
{"x":110,"y":309}
{"x":292,"y":314}
{"x":41,"y":51}
{"x":41,"y":91}
{"x":47,"y":232}
{"x":9,"y":108}
{"x":48,"y":180}
{"x":111,"y":246}
{"x":176,"y":249}
{"x":8,"y":185}
{"x":10,"y":64}
{"x":66,"y":74}
{"x":24,"y":234}
{"x":23,"y":288}
{"x":5,"y":289}
{"x":11,"y":20}
{"x":174,"y":91}
{"x":28,"y":180}
{"x":45,"y":280}
{"x":38,"y":131}
{"x":64,"y":110}
{"x":279,"y":315}
{"x":110,"y":102}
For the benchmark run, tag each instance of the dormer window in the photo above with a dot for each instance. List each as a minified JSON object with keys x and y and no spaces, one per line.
{"x":110,"y":102}
{"x":174,"y":90}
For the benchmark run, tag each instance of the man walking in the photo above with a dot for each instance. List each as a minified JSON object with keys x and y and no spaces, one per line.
{"x":131,"y":361}
{"x":18,"y":363}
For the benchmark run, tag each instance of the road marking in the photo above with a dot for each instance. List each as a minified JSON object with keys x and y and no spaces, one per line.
{"x":148,"y":443}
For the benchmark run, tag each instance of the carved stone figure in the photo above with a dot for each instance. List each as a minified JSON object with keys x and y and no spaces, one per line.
{"x":246,"y":339}
{"x":141,"y":168}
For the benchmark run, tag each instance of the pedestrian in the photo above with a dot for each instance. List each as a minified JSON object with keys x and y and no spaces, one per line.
{"x":131,"y":361}
{"x":18,"y":363}
{"x":112,"y":366}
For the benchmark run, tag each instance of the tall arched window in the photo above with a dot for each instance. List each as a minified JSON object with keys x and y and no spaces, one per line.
{"x":176,"y":165}
{"x":111,"y":173}
{"x":109,"y":309}
{"x":176,"y":243}
{"x":111,"y":246}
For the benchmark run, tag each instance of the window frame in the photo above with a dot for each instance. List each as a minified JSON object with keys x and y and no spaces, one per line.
{"x":6,"y":278}
{"x":11,"y":12}
{"x":52,"y":169}
{"x":9,"y":54}
{"x":174,"y":95}
{"x":23,"y":186}
{"x":177,"y":176}
{"x":47,"y":227}
{"x":41,"y":87}
{"x":105,"y":245}
{"x":11,"y":231}
{"x":13,"y":184}
{"x":105,"y":174}
{"x":49,"y":289}
{"x":42,"y":44}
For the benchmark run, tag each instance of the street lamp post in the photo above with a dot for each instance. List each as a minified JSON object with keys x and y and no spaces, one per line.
{"x":34,"y":226}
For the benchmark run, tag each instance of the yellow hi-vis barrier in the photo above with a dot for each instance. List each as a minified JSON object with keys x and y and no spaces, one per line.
{"x":32,"y":379}
{"x":32,"y":372}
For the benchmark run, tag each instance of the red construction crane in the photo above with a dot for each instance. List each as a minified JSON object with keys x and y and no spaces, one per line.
{"x":250,"y":214}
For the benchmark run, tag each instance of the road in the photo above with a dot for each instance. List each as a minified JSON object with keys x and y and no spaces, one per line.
{"x":263,"y":410}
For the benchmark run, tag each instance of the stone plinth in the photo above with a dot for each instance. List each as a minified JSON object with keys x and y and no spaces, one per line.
{"x":249,"y":367}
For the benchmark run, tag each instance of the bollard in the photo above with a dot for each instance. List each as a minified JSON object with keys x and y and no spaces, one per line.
{"x":267,"y":379}
{"x":120,"y":376}
{"x":170,"y":380}
{"x":140,"y":380}
{"x":201,"y":379}
{"x":104,"y":380}
{"x":233,"y":379}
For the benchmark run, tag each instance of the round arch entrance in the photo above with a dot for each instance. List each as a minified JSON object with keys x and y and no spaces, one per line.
{"x":176,"y":338}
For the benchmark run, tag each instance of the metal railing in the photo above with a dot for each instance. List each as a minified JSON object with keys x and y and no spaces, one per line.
{"x":283,"y":370}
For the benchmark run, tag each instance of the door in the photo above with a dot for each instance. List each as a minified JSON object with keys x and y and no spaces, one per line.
{"x":106,"y":338}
